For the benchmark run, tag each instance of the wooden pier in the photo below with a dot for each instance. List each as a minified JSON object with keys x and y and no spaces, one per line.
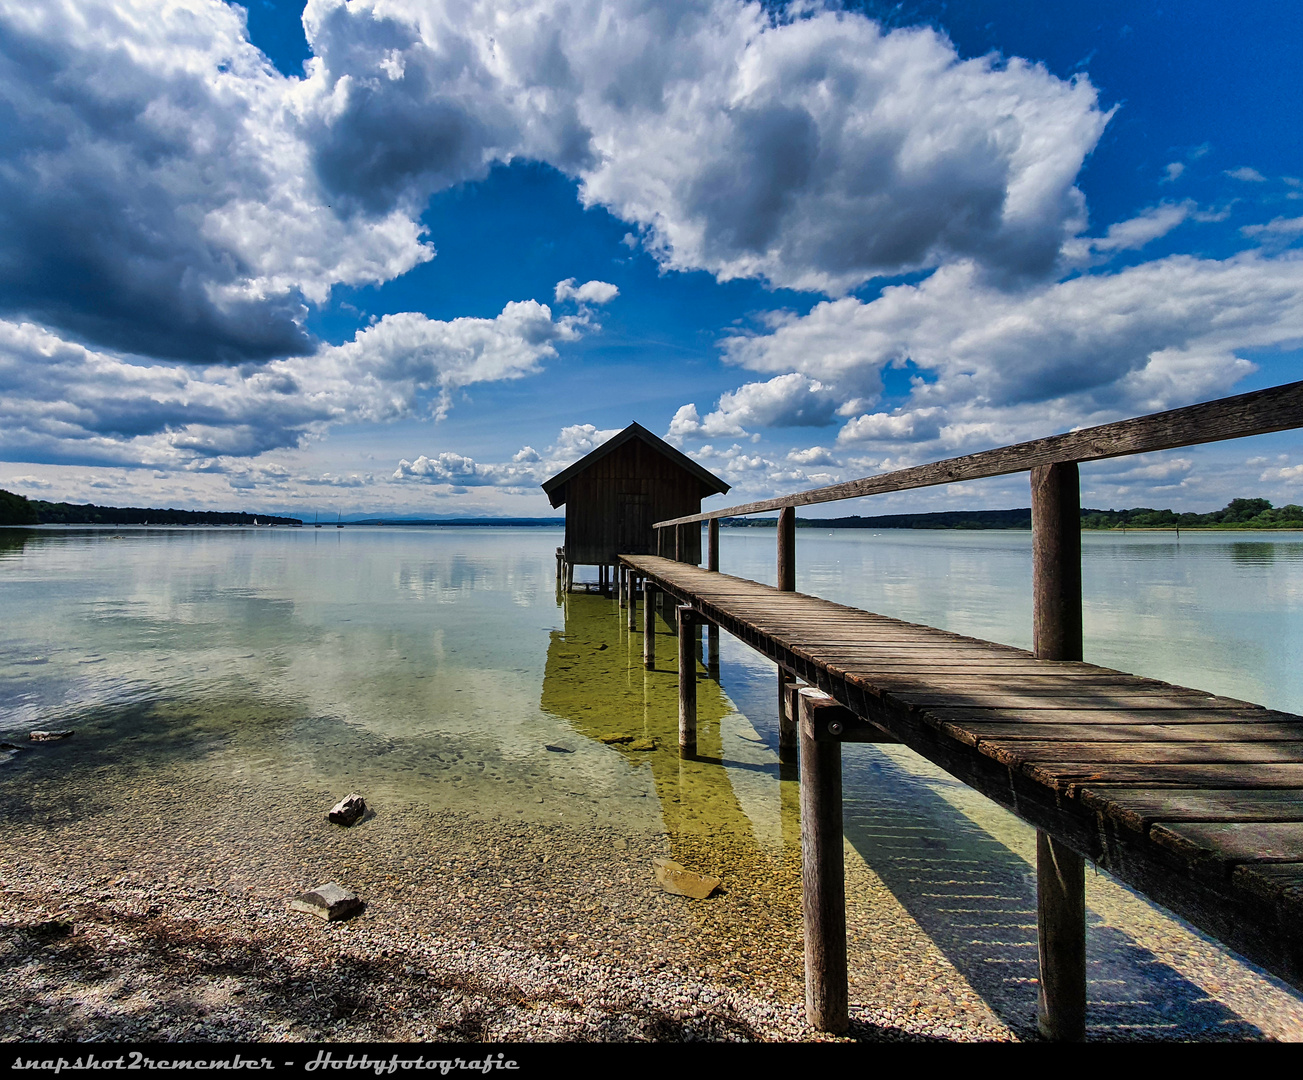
{"x":1193,"y":799}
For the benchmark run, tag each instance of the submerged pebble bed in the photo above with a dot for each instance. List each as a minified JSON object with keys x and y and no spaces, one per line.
{"x":166,"y":917}
{"x":522,"y":772}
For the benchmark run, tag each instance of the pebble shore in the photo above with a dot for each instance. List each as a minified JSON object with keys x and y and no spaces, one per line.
{"x":155,"y":907}
{"x":167,"y":921}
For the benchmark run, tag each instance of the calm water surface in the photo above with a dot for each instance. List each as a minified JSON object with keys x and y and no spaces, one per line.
{"x":1219,"y":611}
{"x":440,"y":668}
{"x":424,"y":658}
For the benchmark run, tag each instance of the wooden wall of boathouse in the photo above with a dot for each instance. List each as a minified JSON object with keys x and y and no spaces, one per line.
{"x":610,"y":506}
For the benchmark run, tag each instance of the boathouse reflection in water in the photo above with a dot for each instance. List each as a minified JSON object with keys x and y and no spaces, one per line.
{"x":732,"y":811}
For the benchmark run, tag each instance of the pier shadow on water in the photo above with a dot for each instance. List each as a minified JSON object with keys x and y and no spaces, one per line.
{"x":976,"y":900}
{"x":975,"y":897}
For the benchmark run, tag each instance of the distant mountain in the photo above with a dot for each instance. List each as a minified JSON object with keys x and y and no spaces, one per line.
{"x":17,"y":510}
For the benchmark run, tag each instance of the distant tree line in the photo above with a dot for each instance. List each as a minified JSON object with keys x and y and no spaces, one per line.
{"x":1237,"y":514}
{"x":17,"y":510}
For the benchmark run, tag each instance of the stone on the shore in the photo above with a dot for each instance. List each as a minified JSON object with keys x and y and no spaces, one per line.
{"x":48,"y":736}
{"x":330,"y":901}
{"x":673,"y":878}
{"x":348,"y":810}
{"x":612,"y":738}
{"x":643,"y":744}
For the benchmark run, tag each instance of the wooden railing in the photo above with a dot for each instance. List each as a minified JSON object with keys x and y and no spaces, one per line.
{"x":1277,"y":408}
{"x":1056,"y":621}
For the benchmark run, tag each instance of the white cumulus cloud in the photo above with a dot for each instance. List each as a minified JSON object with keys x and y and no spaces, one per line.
{"x":790,"y":400}
{"x":590,"y":292}
{"x":527,"y":468}
{"x":60,"y":400}
{"x":1001,"y":365}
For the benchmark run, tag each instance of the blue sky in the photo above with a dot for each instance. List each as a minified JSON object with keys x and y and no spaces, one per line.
{"x":414,"y":256}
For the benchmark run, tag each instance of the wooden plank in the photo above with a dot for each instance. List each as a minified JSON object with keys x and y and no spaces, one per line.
{"x":1085,"y":698}
{"x":1138,"y":808}
{"x":959,"y":683}
{"x":1277,"y":408}
{"x":911,"y":663}
{"x":1067,"y":778}
{"x":1214,"y":847}
{"x":1130,"y":733}
{"x":967,"y":717}
{"x":1280,"y":884}
{"x":1051,"y":697}
{"x":1017,"y":752}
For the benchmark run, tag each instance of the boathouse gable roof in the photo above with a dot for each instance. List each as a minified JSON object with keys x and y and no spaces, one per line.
{"x":555,"y":487}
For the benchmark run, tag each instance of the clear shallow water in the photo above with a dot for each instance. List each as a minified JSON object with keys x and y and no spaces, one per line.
{"x":442,"y":662}
{"x":1218,"y":611}
{"x":440,"y":669}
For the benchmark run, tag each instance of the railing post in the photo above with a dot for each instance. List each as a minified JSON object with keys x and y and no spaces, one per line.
{"x":687,"y":682}
{"x":787,"y":739}
{"x":712,"y":563}
{"x":823,"y":877}
{"x":648,"y":624}
{"x":1056,"y":635}
{"x":660,"y":543}
{"x":678,"y":543}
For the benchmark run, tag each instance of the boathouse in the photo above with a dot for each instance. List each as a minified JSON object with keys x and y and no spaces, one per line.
{"x":614,"y":494}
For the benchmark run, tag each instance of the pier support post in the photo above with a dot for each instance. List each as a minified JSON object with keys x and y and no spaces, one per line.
{"x":687,"y":682}
{"x":787,"y":739}
{"x":823,"y":879}
{"x":1061,"y":940}
{"x":622,"y":580}
{"x":648,"y":624}
{"x":631,"y":589}
{"x":1056,"y":635}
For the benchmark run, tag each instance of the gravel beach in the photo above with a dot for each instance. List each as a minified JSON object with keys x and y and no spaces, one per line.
{"x":160,"y":912}
{"x":165,"y":924}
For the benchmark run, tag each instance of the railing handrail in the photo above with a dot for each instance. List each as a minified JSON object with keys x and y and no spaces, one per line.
{"x":1277,"y":408}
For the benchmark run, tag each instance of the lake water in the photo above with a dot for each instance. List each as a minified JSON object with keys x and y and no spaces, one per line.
{"x":441,"y":668}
